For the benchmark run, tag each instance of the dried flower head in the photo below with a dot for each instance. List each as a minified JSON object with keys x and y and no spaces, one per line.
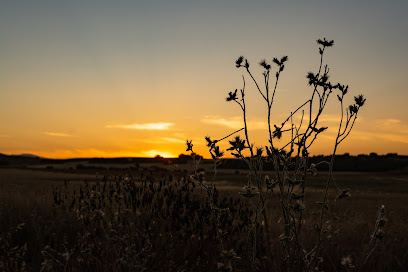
{"x":382,"y":209}
{"x":324,"y":79}
{"x":359,"y":100}
{"x":293,"y":182}
{"x":318,"y":130}
{"x":325,"y":42}
{"x":347,"y":262}
{"x":344,"y":194}
{"x":382,"y":222}
{"x":232,"y":96}
{"x":265,"y":65}
{"x":237,"y":144}
{"x":344,"y":89}
{"x":249,"y":192}
{"x":239,"y":61}
{"x":312,"y":78}
{"x":259,"y":151}
{"x":217,"y":153}
{"x":270,"y":183}
{"x":281,"y":68}
{"x":189,"y":145}
{"x":275,"y":60}
{"x":298,"y":206}
{"x":296,"y":196}
{"x":379,"y":234}
{"x":246,"y":64}
{"x":353,"y":109}
{"x":277,"y":133}
{"x":210,"y":143}
{"x":230,"y":254}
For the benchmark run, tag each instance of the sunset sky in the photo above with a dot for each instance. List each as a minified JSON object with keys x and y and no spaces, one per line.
{"x":137,"y":78}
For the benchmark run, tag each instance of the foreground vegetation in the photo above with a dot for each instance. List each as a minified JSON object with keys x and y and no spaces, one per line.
{"x":287,"y":153}
{"x":158,"y":220}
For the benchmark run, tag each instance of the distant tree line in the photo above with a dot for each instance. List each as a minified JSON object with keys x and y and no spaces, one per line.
{"x":345,"y":162}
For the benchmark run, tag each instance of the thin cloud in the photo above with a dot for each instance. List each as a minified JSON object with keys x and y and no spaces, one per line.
{"x":146,"y":126}
{"x":395,"y":126}
{"x":379,"y":131}
{"x":335,"y":118}
{"x":231,"y":123}
{"x":380,"y":136}
{"x":4,"y":136}
{"x":234,"y":122}
{"x":392,"y":121}
{"x":180,"y":135}
{"x":57,"y":134}
{"x":173,"y":140}
{"x":163,"y":140}
{"x":393,"y":130}
{"x":394,"y":138}
{"x":329,"y":118}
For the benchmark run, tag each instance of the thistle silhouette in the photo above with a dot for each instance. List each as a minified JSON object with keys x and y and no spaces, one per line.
{"x":189,"y":146}
{"x":288,"y":150}
{"x":232,"y":96}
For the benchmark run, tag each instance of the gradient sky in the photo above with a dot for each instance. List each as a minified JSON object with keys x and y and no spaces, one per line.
{"x":133,"y":78}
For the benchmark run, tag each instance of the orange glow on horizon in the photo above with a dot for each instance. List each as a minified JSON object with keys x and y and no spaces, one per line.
{"x":98,"y":91}
{"x":93,"y":153}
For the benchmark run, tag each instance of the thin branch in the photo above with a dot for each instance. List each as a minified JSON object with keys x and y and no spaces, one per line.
{"x":256,"y":83}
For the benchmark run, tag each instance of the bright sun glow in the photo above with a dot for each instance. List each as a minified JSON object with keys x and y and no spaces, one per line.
{"x":153,"y":153}
{"x":146,"y":126}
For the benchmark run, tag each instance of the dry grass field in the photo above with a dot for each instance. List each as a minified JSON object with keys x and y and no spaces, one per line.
{"x":156,"y":220}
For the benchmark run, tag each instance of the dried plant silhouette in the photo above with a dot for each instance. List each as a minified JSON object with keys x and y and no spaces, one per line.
{"x":163,"y":218}
{"x":291,"y":167}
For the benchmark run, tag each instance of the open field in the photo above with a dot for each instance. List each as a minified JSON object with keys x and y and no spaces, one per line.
{"x":167,"y":227}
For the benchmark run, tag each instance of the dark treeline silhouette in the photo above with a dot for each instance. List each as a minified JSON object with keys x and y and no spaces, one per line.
{"x":345,"y":162}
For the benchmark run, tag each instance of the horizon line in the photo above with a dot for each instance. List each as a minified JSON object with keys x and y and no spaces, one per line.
{"x":28,"y":155}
